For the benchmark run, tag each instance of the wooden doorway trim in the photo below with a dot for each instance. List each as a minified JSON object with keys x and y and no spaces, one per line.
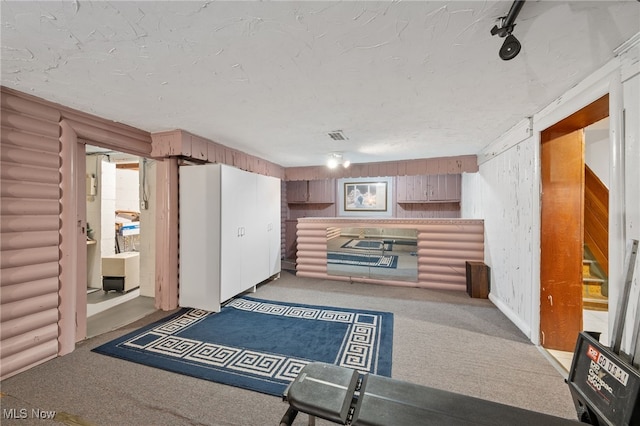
{"x":561,"y":226}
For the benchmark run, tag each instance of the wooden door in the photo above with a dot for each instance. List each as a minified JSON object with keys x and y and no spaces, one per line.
{"x":561,"y":240}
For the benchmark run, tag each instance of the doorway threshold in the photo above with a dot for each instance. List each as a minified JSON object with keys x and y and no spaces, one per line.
{"x":120,"y":315}
{"x":595,"y":321}
{"x":100,"y":301}
{"x":561,"y":360}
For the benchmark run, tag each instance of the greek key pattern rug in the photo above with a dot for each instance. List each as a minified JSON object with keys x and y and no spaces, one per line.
{"x":258,"y":344}
{"x":369,"y":245}
{"x":369,"y":260}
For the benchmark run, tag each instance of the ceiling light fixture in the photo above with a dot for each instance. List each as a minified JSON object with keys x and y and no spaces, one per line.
{"x":511,"y":46}
{"x":335,"y":160}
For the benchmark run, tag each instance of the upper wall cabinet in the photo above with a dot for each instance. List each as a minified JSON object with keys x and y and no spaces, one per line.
{"x":428,"y":189}
{"x":311,"y":191}
{"x":297,"y":191}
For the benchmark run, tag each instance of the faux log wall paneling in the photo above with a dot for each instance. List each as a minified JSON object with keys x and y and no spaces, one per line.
{"x":29,"y":224}
{"x":443,"y":248}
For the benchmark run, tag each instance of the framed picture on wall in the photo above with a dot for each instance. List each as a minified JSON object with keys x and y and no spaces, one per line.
{"x":365,"y":196}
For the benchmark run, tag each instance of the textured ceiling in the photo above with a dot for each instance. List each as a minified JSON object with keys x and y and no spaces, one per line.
{"x":402,"y":80}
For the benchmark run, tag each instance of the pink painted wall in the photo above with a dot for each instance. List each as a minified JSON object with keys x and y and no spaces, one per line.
{"x":444,"y":245}
{"x":43,"y":280}
{"x":30,"y":208}
{"x":424,"y":166}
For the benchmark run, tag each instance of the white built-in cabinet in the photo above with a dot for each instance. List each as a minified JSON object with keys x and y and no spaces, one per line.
{"x":229,"y":233}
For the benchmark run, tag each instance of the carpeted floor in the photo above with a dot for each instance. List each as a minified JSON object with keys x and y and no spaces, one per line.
{"x":441,"y":339}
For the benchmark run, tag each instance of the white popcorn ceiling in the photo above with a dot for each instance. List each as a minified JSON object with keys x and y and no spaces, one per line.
{"x":402,"y":80}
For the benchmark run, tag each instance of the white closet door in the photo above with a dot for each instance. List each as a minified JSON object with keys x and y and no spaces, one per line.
{"x":270,"y":195}
{"x":232,"y":231}
{"x":253,"y":255}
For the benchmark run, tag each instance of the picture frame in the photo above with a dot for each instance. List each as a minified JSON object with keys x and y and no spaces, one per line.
{"x":365,"y":196}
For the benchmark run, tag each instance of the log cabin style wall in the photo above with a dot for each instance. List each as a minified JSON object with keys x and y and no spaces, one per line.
{"x":43,"y":277}
{"x":31,"y":207}
{"x":443,"y":248}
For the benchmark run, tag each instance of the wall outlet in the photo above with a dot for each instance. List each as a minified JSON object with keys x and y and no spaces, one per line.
{"x":144,"y":204}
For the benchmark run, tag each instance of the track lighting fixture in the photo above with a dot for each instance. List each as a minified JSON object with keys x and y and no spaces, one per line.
{"x":511,"y":46}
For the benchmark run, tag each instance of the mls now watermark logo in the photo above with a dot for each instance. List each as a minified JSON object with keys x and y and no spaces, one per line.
{"x":23,"y":413}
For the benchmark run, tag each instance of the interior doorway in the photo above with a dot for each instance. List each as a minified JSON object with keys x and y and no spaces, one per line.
{"x":116,"y":195}
{"x":564,"y":226}
{"x":561,"y":240}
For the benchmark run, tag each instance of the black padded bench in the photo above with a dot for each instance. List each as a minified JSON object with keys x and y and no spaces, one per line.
{"x":344,"y":396}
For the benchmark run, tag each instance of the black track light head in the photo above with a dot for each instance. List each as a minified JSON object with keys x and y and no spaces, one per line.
{"x":510,"y":48}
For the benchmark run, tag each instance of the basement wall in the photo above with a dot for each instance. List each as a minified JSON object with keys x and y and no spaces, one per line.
{"x":30,"y":207}
{"x":506,"y":193}
{"x":43,"y":275}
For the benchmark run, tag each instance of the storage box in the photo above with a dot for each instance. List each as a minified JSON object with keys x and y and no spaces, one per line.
{"x":121,"y":270}
{"x":128,"y":229}
{"x":477,"y":279}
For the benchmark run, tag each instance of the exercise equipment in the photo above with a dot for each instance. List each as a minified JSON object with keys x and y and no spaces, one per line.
{"x":344,"y":396}
{"x":604,"y":381}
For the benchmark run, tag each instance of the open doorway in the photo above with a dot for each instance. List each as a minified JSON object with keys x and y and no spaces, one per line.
{"x":116,"y":197}
{"x":595,"y":289}
{"x":573,"y":268}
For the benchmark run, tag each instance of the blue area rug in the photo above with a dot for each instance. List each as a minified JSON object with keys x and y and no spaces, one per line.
{"x":260,"y":345}
{"x":369,"y":245}
{"x":370,"y":260}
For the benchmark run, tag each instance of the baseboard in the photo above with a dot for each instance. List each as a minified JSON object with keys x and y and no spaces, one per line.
{"x":525,"y":328}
